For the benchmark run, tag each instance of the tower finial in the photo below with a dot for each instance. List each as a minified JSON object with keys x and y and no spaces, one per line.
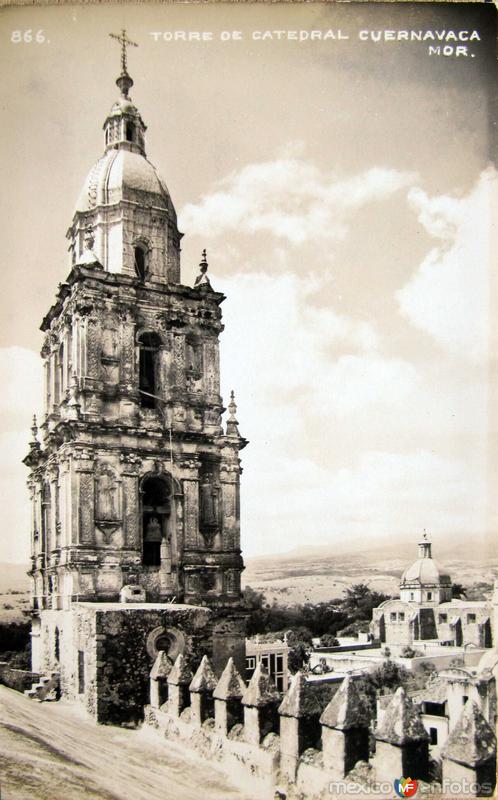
{"x":232,"y":422}
{"x":34,"y":429}
{"x":202,"y":279}
{"x":424,"y":546}
{"x":124,"y":81}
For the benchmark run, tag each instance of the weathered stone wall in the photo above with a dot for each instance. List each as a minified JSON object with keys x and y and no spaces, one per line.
{"x":18,"y":679}
{"x":396,"y":622}
{"x":118,"y":645}
{"x":337,"y":760}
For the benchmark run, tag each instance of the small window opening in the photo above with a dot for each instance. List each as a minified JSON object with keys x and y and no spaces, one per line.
{"x":140,"y":262}
{"x":81,"y":672}
{"x":57,"y":644}
{"x":130,"y":131}
{"x":429,"y":595}
{"x":471,"y":618}
{"x":433,"y":735}
{"x":149,"y":345}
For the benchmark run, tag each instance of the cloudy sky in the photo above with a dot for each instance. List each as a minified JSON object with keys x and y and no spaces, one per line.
{"x":344,"y":191}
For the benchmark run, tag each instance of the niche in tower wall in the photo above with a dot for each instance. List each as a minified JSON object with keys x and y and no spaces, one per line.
{"x":110,"y":356}
{"x":194,"y":366}
{"x":209,"y":503}
{"x":156,"y":492}
{"x":149,"y":344}
{"x":108,"y":516}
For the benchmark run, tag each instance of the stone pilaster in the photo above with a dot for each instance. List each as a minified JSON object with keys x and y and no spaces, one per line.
{"x":227,"y":696}
{"x":402,"y":741}
{"x":469,"y":754}
{"x":201,"y":693}
{"x":178,"y":682}
{"x":299,"y":724}
{"x":159,"y":679}
{"x":345,"y":729}
{"x":260,"y":701}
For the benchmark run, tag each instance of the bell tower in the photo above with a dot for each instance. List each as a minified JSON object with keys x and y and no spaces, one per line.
{"x":134,"y":480}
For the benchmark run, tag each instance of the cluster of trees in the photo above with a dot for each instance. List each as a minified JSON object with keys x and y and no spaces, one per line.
{"x":15,"y":644}
{"x":354,"y":610}
{"x":347,"y":615}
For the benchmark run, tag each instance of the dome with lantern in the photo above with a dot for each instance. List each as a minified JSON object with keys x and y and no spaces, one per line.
{"x":125,"y":202}
{"x":424,"y":580}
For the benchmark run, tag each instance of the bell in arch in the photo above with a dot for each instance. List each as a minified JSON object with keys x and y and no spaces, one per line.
{"x":153,"y":532}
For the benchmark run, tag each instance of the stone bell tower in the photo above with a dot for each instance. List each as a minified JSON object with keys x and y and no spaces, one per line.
{"x":134,"y":483}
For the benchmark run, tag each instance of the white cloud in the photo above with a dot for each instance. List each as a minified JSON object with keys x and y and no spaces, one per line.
{"x":290,"y":198}
{"x":345,"y":439}
{"x":382,"y":494}
{"x":449,"y":296}
{"x":21,"y":396}
{"x":22,"y":378}
{"x":303,"y":355}
{"x":15,"y":515}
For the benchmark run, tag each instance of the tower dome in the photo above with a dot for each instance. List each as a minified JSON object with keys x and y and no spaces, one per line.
{"x":117,"y":176}
{"x":424,"y":581}
{"x":126,"y":204}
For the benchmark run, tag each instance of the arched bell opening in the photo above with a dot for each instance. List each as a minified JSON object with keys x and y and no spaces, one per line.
{"x":149,"y":344}
{"x":157,"y":500}
{"x":141,"y":257}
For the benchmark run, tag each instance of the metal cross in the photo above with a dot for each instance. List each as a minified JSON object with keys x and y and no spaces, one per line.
{"x":124,"y":42}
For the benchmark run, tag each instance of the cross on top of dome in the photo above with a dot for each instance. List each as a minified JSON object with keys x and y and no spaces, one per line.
{"x":124,"y":81}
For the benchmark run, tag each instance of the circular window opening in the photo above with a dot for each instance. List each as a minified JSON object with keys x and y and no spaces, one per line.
{"x":170,"y":640}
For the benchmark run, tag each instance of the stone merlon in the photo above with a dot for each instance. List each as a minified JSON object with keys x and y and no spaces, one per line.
{"x":401,"y":724}
{"x":204,"y":679}
{"x":261,"y":690}
{"x":347,"y":709}
{"x":299,"y":702}
{"x":230,"y":686}
{"x":162,"y":667}
{"x":181,"y":674}
{"x":472,"y":742}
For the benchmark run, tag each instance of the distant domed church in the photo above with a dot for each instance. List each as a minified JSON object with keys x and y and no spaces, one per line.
{"x":426,"y":612}
{"x":135,"y":482}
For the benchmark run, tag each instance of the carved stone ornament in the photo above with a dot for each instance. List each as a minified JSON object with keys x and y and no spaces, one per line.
{"x":108,"y":529}
{"x":107,"y":512}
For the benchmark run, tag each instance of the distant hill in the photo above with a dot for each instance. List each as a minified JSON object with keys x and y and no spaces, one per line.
{"x":319,"y":573}
{"x":446,"y":548}
{"x":13,"y":576}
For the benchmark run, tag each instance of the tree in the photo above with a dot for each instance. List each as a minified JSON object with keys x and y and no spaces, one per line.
{"x":458,"y":590}
{"x":387,"y":678}
{"x":299,"y":641}
{"x":328,"y":640}
{"x":360,"y":600}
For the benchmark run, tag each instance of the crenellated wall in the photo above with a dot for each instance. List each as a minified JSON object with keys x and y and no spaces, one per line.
{"x":265,"y":740}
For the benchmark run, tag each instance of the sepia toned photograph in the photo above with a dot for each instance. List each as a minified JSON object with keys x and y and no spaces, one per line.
{"x":248,"y":349}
